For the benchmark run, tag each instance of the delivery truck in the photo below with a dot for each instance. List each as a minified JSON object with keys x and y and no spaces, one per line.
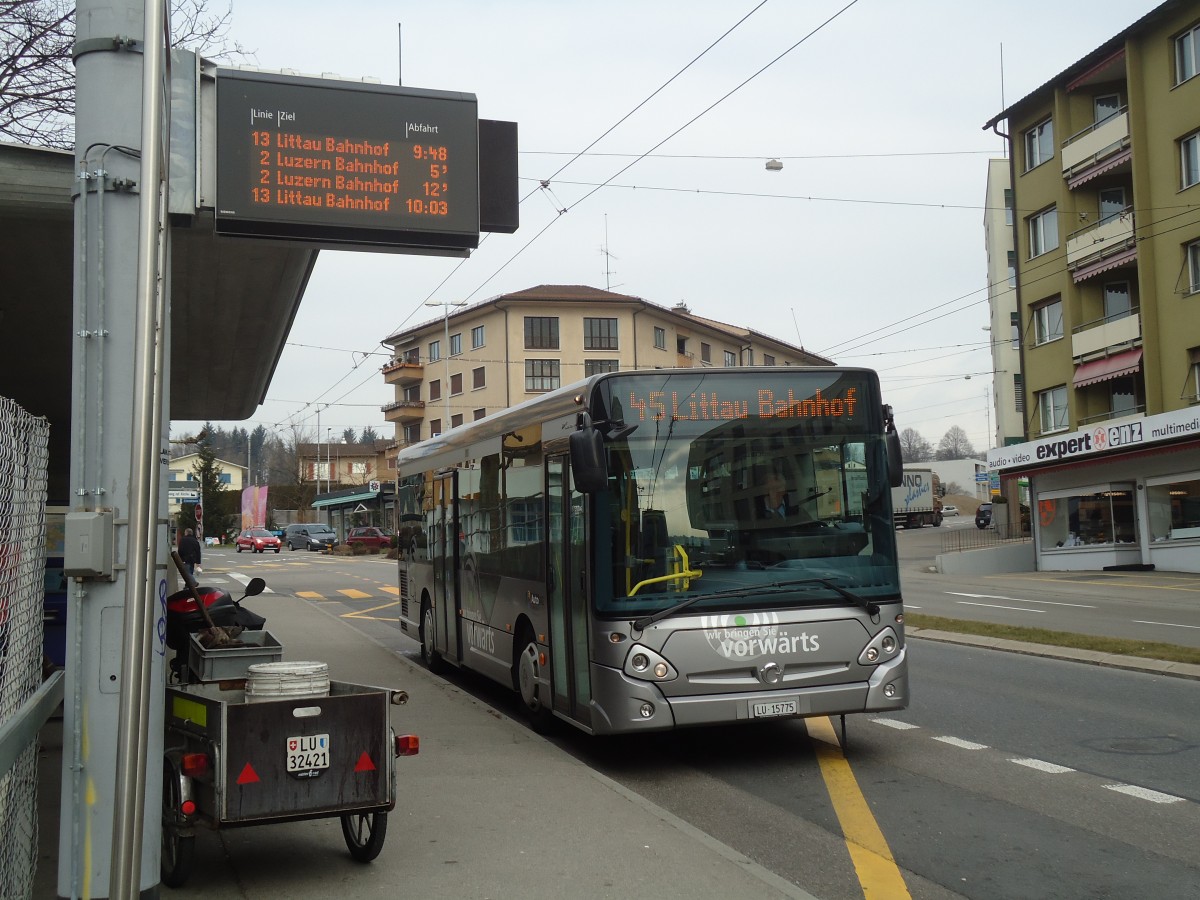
{"x":918,"y":500}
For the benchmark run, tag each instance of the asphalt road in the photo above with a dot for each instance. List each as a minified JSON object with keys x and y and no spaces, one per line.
{"x":1009,"y":776}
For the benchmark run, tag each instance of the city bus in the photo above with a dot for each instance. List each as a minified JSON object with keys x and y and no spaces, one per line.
{"x":648,"y":550}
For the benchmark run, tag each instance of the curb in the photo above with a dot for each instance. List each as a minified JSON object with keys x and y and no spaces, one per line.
{"x":1093,"y":657}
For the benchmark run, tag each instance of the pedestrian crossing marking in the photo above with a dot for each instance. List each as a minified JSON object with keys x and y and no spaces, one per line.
{"x":389,"y":589}
{"x":353,"y":594}
{"x":310,"y":595}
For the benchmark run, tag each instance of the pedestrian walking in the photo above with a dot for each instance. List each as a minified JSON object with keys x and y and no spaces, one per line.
{"x":189,"y":551}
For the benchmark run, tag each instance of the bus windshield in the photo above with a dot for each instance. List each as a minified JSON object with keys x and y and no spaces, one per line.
{"x":755,"y":503}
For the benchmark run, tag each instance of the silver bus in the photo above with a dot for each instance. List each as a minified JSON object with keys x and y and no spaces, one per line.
{"x":648,"y":550}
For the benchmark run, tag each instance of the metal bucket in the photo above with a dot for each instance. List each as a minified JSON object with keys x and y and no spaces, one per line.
{"x":286,"y":681}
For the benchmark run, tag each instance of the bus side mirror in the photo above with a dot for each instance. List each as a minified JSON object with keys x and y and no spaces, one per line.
{"x":588,"y":463}
{"x":895,"y":459}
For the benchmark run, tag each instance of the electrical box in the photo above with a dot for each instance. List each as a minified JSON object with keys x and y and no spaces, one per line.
{"x":88,"y":547}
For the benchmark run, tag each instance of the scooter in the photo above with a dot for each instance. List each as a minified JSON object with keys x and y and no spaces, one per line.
{"x":195,"y":608}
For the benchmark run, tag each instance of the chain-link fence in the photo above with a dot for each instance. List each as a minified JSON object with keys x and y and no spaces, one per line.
{"x":24,"y":441}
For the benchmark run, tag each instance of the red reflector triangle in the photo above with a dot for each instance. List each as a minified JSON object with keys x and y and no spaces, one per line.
{"x":364,"y":764}
{"x":248,"y":775}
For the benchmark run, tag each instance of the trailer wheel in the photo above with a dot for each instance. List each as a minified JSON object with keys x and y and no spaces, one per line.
{"x":364,"y":834}
{"x":178,"y":851}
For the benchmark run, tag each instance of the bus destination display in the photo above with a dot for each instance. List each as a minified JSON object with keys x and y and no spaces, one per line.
{"x":342,"y":162}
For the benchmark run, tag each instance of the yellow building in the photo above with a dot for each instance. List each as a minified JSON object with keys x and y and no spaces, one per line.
{"x":1105,"y":177}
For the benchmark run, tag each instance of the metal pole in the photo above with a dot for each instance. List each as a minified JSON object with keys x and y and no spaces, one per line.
{"x":129,"y":798}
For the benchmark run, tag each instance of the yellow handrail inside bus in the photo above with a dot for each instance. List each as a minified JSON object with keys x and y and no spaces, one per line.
{"x":682,"y":573}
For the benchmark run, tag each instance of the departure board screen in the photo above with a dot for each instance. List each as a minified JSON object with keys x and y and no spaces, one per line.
{"x":346,"y":162}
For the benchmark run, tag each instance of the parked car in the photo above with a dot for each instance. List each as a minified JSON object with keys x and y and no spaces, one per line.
{"x":309,"y":536}
{"x":369,"y":536}
{"x":983,"y":515}
{"x":949,"y":509}
{"x":256,"y":540}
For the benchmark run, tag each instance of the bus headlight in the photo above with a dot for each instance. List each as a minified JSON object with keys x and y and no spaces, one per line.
{"x":880,"y":648}
{"x":647,"y":665}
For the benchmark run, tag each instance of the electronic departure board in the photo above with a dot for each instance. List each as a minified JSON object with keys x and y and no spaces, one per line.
{"x":347,"y":163}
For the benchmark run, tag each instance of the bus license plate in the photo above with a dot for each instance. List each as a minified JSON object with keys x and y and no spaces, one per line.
{"x":307,"y":752}
{"x":787,"y":707}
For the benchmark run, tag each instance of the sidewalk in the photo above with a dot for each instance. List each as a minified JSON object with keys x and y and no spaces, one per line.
{"x":487,"y":810}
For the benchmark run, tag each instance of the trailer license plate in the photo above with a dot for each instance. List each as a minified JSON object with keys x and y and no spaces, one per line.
{"x":786,"y":707}
{"x":307,"y":752}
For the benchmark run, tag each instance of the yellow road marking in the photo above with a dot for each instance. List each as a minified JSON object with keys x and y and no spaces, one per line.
{"x":353,"y":594}
{"x":366,"y":613}
{"x":310,"y":595}
{"x":388,"y":589}
{"x":878,"y":874}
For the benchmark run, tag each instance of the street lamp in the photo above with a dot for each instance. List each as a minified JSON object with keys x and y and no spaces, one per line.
{"x":446,"y":304}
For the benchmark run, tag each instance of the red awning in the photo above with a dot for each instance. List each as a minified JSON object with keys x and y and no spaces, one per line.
{"x":1110,"y":367}
{"x":1087,"y":174}
{"x":1097,"y":267}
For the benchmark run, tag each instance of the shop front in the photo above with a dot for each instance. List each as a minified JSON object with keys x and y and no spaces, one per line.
{"x":370,"y":504}
{"x":1118,"y":495}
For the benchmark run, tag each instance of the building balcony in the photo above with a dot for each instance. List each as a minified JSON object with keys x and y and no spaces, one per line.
{"x":1106,"y":335}
{"x":402,"y":370}
{"x":404,"y":411}
{"x":1105,"y":245}
{"x":1100,"y":148}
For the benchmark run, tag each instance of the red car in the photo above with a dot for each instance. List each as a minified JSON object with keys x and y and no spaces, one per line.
{"x":369,"y":536}
{"x":257,"y":540}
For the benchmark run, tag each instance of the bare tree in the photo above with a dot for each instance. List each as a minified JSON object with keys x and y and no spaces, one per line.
{"x":955,"y":445}
{"x":914,"y":447}
{"x":37,"y":74}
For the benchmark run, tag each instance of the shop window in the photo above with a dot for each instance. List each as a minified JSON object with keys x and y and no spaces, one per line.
{"x":1174,"y":507}
{"x":1087,"y":517}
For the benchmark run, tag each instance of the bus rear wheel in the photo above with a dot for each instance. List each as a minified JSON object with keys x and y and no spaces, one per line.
{"x":527,"y":675}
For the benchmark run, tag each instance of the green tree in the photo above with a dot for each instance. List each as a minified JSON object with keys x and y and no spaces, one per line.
{"x":369,"y":435}
{"x":221,"y":506}
{"x":348,"y":436}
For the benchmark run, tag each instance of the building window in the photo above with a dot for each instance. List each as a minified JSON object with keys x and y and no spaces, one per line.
{"x":1123,"y":396}
{"x":1117,"y":304}
{"x":1012,"y":268}
{"x":1043,"y":232}
{"x":476,"y":337}
{"x":478,"y":379}
{"x":1174,"y":507}
{"x":456,"y":420}
{"x":1189,"y":156}
{"x":1193,"y":267}
{"x":768,"y":359}
{"x":456,"y":344}
{"x":1008,"y":206}
{"x":1187,"y":55}
{"x":541,"y":332}
{"x":358,"y":468}
{"x":1112,"y":204}
{"x":1097,"y":514}
{"x":1106,"y":106}
{"x":597,"y":366}
{"x":1193,"y":382}
{"x":541,"y":375}
{"x":412,"y":394}
{"x":435,"y":427}
{"x":660,"y":338}
{"x":479,"y":413}
{"x":1039,"y":144}
{"x":412,"y":433}
{"x":435,"y":351}
{"x":599,"y":334}
{"x":705,"y":352}
{"x":730,"y":359}
{"x":1048,"y":322}
{"x":456,"y":384}
{"x":681,"y":347}
{"x":435,"y":389}
{"x":1019,"y":392}
{"x":1014,"y":326}
{"x":1053,"y":407}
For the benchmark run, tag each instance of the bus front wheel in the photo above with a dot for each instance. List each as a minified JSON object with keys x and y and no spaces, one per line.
{"x":527,"y":678}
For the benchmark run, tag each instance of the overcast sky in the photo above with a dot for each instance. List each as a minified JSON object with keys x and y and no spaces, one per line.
{"x":867,"y":247}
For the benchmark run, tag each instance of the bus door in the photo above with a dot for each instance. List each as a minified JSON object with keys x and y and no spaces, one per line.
{"x":566,"y":591}
{"x":445,"y":567}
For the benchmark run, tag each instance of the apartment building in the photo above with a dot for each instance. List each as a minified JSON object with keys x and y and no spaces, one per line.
{"x":479,"y":359}
{"x":1105,"y":179}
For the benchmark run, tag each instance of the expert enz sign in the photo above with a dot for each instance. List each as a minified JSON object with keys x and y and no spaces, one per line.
{"x":347,"y":163}
{"x":1097,"y":439}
